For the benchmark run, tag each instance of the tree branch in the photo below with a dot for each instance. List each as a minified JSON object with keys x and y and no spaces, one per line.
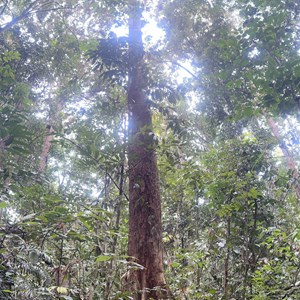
{"x":184,"y":68}
{"x":23,"y":15}
{"x":4,"y":8}
{"x":29,"y":10}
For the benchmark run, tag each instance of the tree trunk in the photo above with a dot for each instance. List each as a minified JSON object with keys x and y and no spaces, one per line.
{"x":145,"y":229}
{"x":56,"y":107}
{"x":227,"y":258}
{"x":46,"y":148}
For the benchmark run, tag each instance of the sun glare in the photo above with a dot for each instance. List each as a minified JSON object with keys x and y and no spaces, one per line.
{"x":152,"y":34}
{"x":4,"y":20}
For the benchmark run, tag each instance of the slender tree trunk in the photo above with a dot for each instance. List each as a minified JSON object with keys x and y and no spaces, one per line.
{"x":226,"y":263}
{"x":117,"y":222}
{"x":46,"y":148}
{"x":54,"y":120}
{"x":145,"y":229}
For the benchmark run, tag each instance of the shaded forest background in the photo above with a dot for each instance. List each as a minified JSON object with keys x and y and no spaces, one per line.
{"x":223,"y":85}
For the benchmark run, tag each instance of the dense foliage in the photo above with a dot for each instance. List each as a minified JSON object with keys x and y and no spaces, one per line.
{"x":224,"y":89}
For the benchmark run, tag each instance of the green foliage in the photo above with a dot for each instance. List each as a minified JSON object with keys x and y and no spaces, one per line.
{"x":277,"y":273}
{"x":111,"y":58}
{"x":6,"y":70}
{"x":230,"y":210}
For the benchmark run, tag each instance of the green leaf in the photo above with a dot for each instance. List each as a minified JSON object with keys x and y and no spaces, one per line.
{"x":253,"y":193}
{"x":212,"y":291}
{"x":61,"y":210}
{"x":3,"y":205}
{"x":77,"y":236}
{"x":248,"y":112}
{"x":103,"y":258}
{"x":175,"y":264}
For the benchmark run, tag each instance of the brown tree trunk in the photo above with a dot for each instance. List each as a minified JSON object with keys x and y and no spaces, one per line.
{"x":145,"y":229}
{"x":56,"y":107}
{"x":226,"y":263}
{"x":46,"y":148}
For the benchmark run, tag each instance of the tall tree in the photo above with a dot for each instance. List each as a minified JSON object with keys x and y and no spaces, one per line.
{"x":145,"y":229}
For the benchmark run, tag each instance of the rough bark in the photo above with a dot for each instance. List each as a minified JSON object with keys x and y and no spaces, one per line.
{"x":46,"y":148}
{"x":145,"y":229}
{"x":56,"y":107}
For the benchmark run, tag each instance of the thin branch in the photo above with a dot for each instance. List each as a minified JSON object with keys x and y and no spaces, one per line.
{"x":184,"y":68}
{"x":55,"y":9}
{"x":4,"y":8}
{"x":181,"y":66}
{"x":29,"y":11}
{"x":23,"y":15}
